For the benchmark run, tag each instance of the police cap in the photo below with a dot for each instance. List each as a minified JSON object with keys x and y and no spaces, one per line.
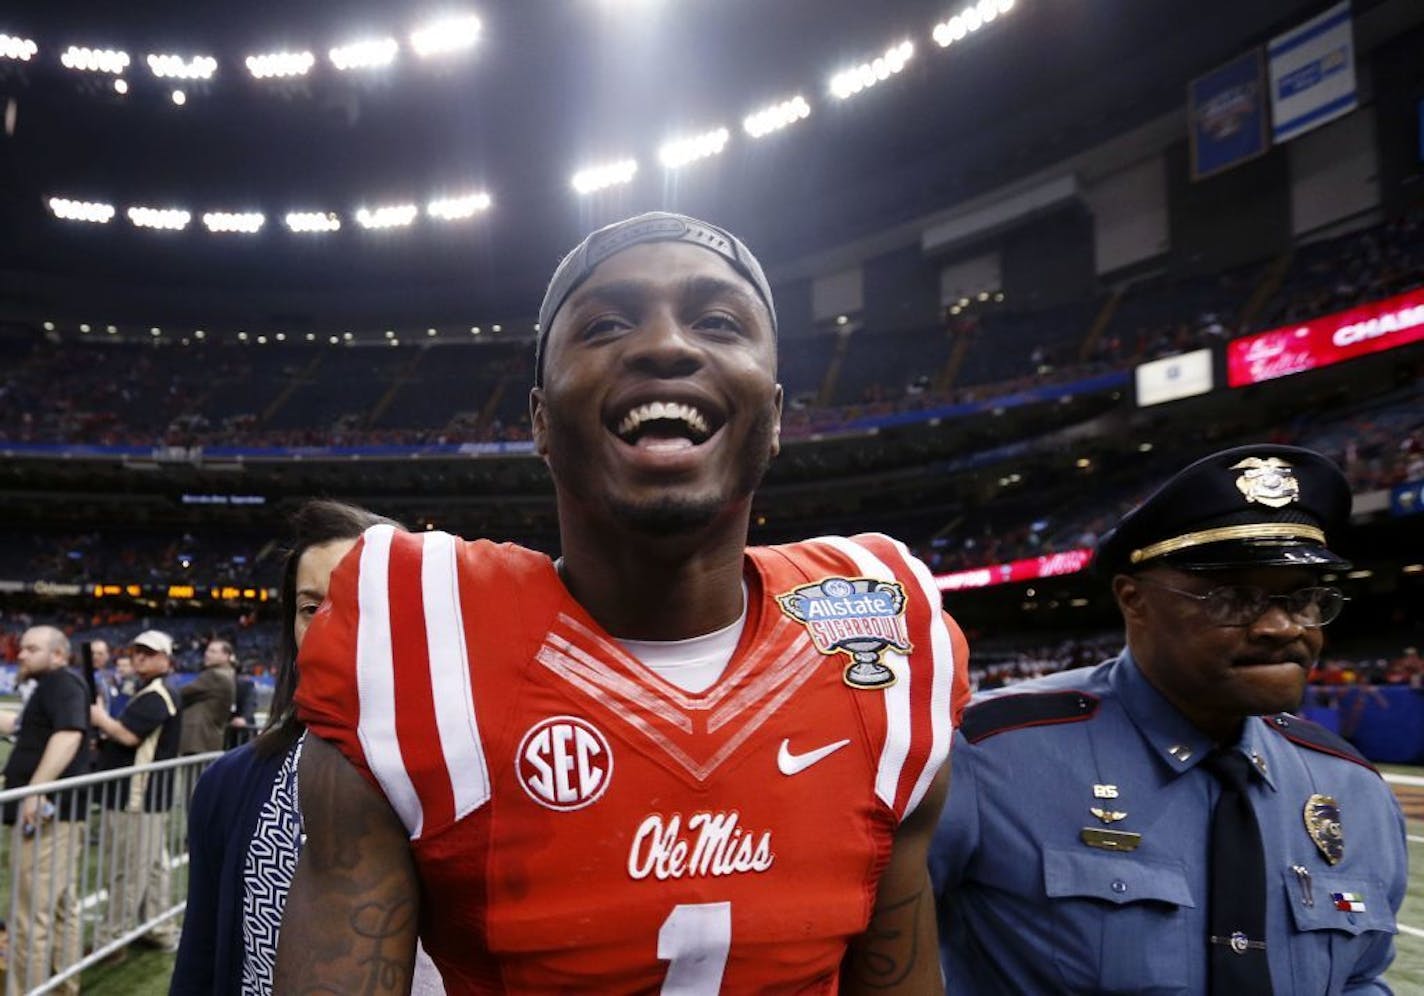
{"x":1251,"y":506}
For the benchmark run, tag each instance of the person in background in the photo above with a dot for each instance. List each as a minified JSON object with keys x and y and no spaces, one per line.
{"x":1162,"y":823}
{"x":137,"y":807}
{"x":242,"y":725}
{"x":244,"y":827}
{"x":124,"y":684}
{"x":208,"y":699}
{"x":51,"y":743}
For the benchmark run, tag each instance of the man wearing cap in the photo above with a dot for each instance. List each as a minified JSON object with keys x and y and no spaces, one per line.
{"x":1161,"y":823}
{"x":664,"y":762}
{"x":50,"y":744}
{"x":136,"y":808}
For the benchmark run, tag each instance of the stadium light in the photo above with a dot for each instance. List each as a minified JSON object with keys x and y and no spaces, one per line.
{"x":852,"y":81}
{"x":389,"y":216}
{"x":179,"y":97}
{"x":121,"y":86}
{"x":20,"y":49}
{"x":594,"y":178}
{"x":247,"y":222}
{"x":455,"y":208}
{"x":969,"y":20}
{"x":312,"y":221}
{"x":168,"y":66}
{"x":95,"y":212}
{"x":170,"y":219}
{"x":776,"y":117}
{"x":280,"y":64}
{"x":680,"y":152}
{"x":444,"y":36}
{"x":370,"y":54}
{"x":95,"y":60}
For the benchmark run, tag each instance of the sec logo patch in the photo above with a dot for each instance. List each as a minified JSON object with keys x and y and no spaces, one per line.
{"x":564,"y":763}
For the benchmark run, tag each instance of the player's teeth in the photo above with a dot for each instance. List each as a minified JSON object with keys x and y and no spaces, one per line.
{"x":663,"y":410}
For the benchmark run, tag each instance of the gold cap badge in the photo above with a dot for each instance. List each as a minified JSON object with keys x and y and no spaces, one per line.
{"x":1269,"y":481}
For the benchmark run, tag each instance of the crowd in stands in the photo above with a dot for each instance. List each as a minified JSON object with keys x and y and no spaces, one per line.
{"x":1378,"y":445}
{"x":119,"y":556}
{"x":999,"y":662}
{"x":1405,"y":669}
{"x":115,"y":393}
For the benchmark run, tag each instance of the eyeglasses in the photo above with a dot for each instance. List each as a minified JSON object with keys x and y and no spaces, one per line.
{"x":1243,"y":604}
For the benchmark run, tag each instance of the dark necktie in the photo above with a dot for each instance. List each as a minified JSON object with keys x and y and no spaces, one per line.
{"x":1237,"y":924}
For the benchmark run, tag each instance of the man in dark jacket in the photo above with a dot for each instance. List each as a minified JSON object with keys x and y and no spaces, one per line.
{"x":208,"y":700}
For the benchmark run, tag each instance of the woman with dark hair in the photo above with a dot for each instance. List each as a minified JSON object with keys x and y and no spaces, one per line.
{"x":244,"y":827}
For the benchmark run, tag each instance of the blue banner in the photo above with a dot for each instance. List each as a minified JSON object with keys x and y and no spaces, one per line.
{"x":1226,"y":109}
{"x":1313,"y":73}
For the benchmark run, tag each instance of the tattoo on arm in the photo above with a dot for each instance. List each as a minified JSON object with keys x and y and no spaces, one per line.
{"x":380,"y":923}
{"x":885,"y":955}
{"x":351,"y":918}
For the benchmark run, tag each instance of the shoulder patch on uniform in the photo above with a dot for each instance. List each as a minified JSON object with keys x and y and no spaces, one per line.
{"x":1313,"y":736}
{"x":1015,"y":712}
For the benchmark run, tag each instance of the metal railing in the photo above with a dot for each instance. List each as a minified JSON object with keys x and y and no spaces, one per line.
{"x":104,"y":866}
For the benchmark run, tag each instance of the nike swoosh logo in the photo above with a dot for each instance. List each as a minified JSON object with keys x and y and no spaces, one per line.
{"x":791,"y":764}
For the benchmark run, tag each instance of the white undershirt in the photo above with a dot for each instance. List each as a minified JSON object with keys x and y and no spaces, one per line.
{"x":695,"y":664}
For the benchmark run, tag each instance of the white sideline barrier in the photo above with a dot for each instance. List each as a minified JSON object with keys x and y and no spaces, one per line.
{"x":82,"y":879}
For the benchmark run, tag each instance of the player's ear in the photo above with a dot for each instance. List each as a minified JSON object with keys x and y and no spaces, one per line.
{"x":538,"y":421}
{"x":776,"y":421}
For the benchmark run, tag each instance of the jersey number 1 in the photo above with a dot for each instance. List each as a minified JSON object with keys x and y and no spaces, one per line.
{"x":695,"y":938}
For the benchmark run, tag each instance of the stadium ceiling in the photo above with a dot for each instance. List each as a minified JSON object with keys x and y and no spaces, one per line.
{"x":476,"y":149}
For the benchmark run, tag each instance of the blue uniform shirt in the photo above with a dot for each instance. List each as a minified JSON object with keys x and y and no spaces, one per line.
{"x":1026,"y":906}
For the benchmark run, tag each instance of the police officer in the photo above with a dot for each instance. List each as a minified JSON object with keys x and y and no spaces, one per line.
{"x":1160,"y":823}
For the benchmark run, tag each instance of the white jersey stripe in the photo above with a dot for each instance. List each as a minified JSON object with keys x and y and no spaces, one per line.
{"x":942,"y":683}
{"x":897,"y":696}
{"x":450,"y":675}
{"x":375,"y":680}
{"x":595,"y":671}
{"x":563,"y":665}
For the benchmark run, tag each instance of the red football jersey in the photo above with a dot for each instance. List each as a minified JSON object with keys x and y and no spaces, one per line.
{"x":582,"y":825}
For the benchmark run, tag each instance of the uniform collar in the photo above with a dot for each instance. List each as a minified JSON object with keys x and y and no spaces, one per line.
{"x":1179,"y":744}
{"x":1255,"y":744}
